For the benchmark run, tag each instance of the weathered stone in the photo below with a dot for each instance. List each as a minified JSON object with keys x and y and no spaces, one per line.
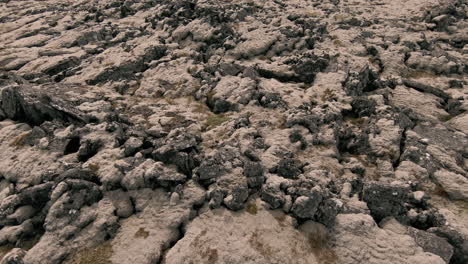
{"x":385,"y":200}
{"x":454,"y":184}
{"x":30,"y":105}
{"x":306,"y":206}
{"x":432,"y":243}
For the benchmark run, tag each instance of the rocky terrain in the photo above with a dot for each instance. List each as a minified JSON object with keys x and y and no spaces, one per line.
{"x":240,"y":131}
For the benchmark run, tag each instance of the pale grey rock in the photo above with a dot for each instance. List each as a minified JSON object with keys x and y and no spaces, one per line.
{"x":122,"y":203}
{"x":143,"y":237}
{"x":256,"y":43}
{"x":230,"y":93}
{"x":88,"y":225}
{"x":263,"y":236}
{"x":140,"y":177}
{"x":424,"y":105}
{"x":132,"y":145}
{"x":22,"y":213}
{"x":454,"y":184}
{"x":387,"y":142}
{"x":358,"y":238}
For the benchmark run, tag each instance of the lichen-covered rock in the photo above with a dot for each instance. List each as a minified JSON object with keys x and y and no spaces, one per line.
{"x":233,"y":131}
{"x":306,"y":206}
{"x":143,"y":237}
{"x":358,"y":238}
{"x":263,"y":236}
{"x":454,"y":184}
{"x":386,"y":200}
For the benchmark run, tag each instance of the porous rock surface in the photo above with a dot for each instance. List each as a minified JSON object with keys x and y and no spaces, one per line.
{"x":202,"y":131}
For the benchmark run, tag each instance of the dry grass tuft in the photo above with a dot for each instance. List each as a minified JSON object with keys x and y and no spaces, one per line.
{"x":97,"y":255}
{"x":215,"y":120}
{"x":19,"y":140}
{"x":251,"y":208}
{"x":142,"y":233}
{"x":328,"y":94}
{"x":445,"y":118}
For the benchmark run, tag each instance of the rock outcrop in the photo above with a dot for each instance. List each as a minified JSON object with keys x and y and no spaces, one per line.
{"x":189,"y":131}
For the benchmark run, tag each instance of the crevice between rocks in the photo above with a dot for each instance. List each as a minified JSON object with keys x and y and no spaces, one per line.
{"x":402,"y":149}
{"x":182,"y":228}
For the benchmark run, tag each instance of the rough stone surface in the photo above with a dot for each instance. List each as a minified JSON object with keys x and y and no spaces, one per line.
{"x":264,"y":237}
{"x":203,"y":131}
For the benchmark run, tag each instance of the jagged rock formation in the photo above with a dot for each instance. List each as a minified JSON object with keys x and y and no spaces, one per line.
{"x":190,"y":131}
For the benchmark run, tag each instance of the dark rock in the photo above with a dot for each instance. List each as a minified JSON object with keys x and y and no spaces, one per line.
{"x":236,"y":198}
{"x":289,"y":168}
{"x":37,"y":195}
{"x":132,"y":145}
{"x":295,"y":136}
{"x":219,"y":105}
{"x":242,"y":121}
{"x":2,"y":115}
{"x":88,"y":149}
{"x":34,"y":107}
{"x":181,"y":149}
{"x":250,"y":154}
{"x":305,"y":207}
{"x":427,"y":89}
{"x":253,"y":169}
{"x":372,"y":51}
{"x":250,"y":72}
{"x":404,"y":120}
{"x":441,"y":136}
{"x":169,"y":178}
{"x":129,"y":69}
{"x":254,"y":173}
{"x":454,"y":107}
{"x":306,"y":118}
{"x":432,"y":243}
{"x":77,"y":173}
{"x":69,"y":145}
{"x":363,"y":106}
{"x":273,"y":196}
{"x":210,"y":169}
{"x":186,"y":161}
{"x":327,"y":211}
{"x":230,"y":69}
{"x":456,"y":84}
{"x":427,"y":219}
{"x":278,"y":75}
{"x":385,"y":199}
{"x":216,"y":198}
{"x":357,"y":83}
{"x":80,"y":193}
{"x":353,"y":143}
{"x":308,"y":66}
{"x":457,"y":240}
{"x":271,"y":100}
{"x":61,"y":66}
